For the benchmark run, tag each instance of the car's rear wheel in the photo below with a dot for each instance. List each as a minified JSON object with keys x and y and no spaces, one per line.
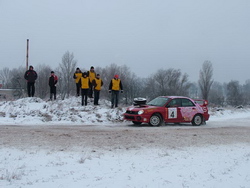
{"x":137,"y":123}
{"x":197,"y":120}
{"x":155,"y":120}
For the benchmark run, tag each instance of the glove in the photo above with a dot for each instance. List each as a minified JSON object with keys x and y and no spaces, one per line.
{"x":121,"y":91}
{"x":109,"y":91}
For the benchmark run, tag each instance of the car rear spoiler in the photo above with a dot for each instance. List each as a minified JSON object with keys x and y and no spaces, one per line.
{"x":201,"y":102}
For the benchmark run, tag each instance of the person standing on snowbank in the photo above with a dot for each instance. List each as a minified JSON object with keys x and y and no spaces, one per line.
{"x":91,"y":74}
{"x":114,"y":88}
{"x":84,"y":83}
{"x":31,"y":76}
{"x":77,"y":75}
{"x":52,"y":84}
{"x":97,"y":85}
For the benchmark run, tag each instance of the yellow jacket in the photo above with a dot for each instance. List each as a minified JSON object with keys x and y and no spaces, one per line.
{"x":84,"y":81}
{"x":115,"y":85}
{"x":77,"y":76}
{"x":97,"y":83}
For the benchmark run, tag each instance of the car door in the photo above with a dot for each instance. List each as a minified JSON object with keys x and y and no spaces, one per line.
{"x":173,"y":111}
{"x":187,"y":110}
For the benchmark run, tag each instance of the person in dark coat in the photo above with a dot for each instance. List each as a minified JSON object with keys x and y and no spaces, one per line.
{"x":52,"y":84}
{"x":31,"y":76}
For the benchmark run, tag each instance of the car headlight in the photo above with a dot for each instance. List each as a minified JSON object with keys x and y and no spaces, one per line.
{"x":140,"y":112}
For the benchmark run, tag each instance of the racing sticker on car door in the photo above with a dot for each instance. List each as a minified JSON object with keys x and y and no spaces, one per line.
{"x":172,"y":113}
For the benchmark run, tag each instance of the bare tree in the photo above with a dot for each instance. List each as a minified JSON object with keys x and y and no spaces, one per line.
{"x":234,"y":94}
{"x":150,"y":89}
{"x":246,"y":91}
{"x":216,"y":96}
{"x":168,"y":82}
{"x":193,"y":90}
{"x":205,"y":80}
{"x":5,"y":76}
{"x":132,"y":85}
{"x":67,"y":68}
{"x":18,"y":83}
{"x":134,"y":88}
{"x":42,"y":87}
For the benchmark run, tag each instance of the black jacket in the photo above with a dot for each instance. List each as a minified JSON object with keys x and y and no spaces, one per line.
{"x":52,"y":80}
{"x":30,"y":76}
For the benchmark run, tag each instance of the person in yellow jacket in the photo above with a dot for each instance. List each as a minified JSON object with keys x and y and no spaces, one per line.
{"x":77,"y":75}
{"x":91,"y":74}
{"x":114,"y":88}
{"x":84,"y":83}
{"x":97,"y":85}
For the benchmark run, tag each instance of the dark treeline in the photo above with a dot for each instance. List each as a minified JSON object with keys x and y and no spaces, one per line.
{"x":163,"y":82}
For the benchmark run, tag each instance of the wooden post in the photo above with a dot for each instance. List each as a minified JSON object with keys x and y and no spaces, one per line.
{"x":27,"y":55}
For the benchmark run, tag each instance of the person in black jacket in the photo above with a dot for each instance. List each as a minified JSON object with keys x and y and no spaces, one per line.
{"x":31,"y":76}
{"x":52,"y":84}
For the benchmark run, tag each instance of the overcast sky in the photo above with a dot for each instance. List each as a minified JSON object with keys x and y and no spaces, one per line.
{"x":144,"y":35}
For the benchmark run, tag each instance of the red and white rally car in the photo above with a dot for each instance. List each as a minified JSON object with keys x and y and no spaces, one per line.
{"x":168,"y":109}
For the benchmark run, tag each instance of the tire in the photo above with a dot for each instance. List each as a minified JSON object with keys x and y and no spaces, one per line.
{"x":137,"y":123}
{"x":155,"y":120}
{"x":197,"y":120}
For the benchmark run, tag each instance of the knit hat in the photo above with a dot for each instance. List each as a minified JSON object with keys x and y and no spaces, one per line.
{"x":116,"y":76}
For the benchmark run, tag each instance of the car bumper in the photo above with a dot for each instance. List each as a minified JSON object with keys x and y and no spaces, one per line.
{"x":206,"y":117}
{"x":137,"y":118}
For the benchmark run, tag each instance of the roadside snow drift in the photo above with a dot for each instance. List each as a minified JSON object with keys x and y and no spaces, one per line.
{"x":69,"y":111}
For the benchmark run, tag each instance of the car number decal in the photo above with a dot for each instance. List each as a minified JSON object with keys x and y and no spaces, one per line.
{"x":172,"y":113}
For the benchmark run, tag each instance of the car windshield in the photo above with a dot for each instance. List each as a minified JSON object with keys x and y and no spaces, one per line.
{"x":159,"y":101}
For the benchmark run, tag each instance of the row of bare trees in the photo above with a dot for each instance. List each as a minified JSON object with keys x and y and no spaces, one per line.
{"x":162,"y":82}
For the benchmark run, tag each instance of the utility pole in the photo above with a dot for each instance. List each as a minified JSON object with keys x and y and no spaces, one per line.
{"x":27,"y":55}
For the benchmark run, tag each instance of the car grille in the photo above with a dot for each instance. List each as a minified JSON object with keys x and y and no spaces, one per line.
{"x":131,"y":112}
{"x":129,"y":117}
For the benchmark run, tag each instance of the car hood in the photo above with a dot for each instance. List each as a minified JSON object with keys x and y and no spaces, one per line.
{"x":144,"y":107}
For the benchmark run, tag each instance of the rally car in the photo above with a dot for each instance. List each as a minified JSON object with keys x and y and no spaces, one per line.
{"x":168,"y":109}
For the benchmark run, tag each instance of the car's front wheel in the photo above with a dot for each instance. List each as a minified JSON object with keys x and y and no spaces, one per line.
{"x":197,"y":120}
{"x":155,"y":120}
{"x":137,"y":123}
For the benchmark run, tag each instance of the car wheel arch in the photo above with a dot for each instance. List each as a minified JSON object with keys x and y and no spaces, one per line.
{"x":197,"y":119}
{"x":156,"y":114}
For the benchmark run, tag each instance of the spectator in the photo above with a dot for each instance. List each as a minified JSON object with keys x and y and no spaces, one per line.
{"x":31,"y":76}
{"x":52,"y":84}
{"x":84,"y":84}
{"x":97,"y":85}
{"x":77,"y":75}
{"x":91,"y":74}
{"x":114,"y":87}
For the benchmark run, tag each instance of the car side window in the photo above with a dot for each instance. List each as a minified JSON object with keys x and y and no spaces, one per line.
{"x":174,"y":103}
{"x":187,"y":102}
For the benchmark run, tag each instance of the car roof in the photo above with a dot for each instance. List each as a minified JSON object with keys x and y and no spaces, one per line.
{"x":174,"y":97}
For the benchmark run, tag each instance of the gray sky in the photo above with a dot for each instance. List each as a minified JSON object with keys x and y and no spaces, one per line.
{"x":144,"y":35}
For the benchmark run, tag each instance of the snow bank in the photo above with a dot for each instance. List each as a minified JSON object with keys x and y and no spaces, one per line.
{"x":36,"y":111}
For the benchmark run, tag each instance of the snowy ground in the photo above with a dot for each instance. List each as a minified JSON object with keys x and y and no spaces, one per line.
{"x":222,"y":165}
